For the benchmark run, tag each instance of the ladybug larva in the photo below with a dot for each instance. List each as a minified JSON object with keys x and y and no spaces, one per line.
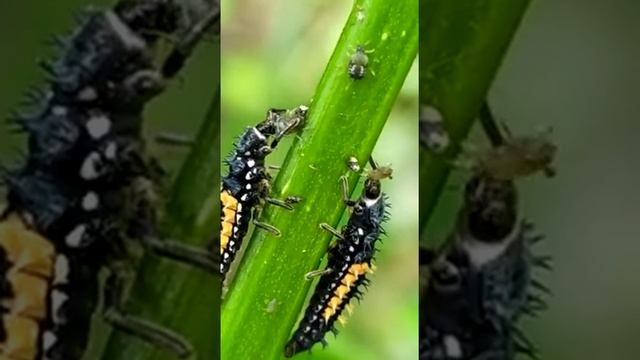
{"x":247,"y":183}
{"x":349,"y":262}
{"x":480,"y":282}
{"x":83,"y":202}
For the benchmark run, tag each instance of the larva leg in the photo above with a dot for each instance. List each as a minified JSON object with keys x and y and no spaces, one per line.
{"x":315,"y":273}
{"x":174,"y":139}
{"x":184,"y":253}
{"x":264,"y":226}
{"x":332,"y":230}
{"x":344,"y":185}
{"x":114,"y":314}
{"x":175,"y":61}
{"x":270,"y":228}
{"x":285,"y":204}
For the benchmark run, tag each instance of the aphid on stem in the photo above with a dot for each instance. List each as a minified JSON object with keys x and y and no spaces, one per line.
{"x":517,"y":157}
{"x":358,"y":63}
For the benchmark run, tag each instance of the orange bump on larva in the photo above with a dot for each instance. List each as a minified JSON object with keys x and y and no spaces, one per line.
{"x":22,"y":338}
{"x":30,"y":294}
{"x":27,"y":251}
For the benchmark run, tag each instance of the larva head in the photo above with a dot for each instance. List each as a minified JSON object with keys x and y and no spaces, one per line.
{"x":490,"y":208}
{"x":253,"y":144}
{"x":150,"y":18}
{"x":369,"y":211}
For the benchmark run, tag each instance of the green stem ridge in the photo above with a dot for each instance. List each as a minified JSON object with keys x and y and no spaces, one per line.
{"x":462,"y":44}
{"x":346,"y":117}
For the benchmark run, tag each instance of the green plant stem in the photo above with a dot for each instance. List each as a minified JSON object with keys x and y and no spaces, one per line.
{"x":462,"y":44}
{"x":184,"y":299}
{"x":345,"y":119}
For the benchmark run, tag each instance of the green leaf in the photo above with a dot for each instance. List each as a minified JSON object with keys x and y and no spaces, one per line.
{"x":462,"y":44}
{"x":346,"y":117}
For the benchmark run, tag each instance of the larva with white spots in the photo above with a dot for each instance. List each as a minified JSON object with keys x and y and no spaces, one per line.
{"x":247,"y":182}
{"x":82,"y":193}
{"x":348,"y":264}
{"x":480,"y":282}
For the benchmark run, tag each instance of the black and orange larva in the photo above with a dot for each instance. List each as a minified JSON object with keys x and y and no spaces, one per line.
{"x":247,"y":183}
{"x":480,"y":282}
{"x":81,"y":201}
{"x":348,"y":263}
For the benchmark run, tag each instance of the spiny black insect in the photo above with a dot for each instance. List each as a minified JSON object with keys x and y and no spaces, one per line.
{"x":247,"y":184}
{"x":348,"y":263}
{"x":84,"y":199}
{"x":358,"y":62}
{"x":480,"y":282}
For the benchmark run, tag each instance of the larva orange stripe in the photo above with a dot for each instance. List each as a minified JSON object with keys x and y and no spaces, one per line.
{"x":29,"y":296}
{"x":27,"y":251}
{"x":340,"y":293}
{"x":22,"y":338}
{"x":31,"y":258}
{"x":229,"y":208}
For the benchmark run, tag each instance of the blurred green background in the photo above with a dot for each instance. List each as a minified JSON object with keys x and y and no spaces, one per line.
{"x":25,"y":26}
{"x":573,"y":65}
{"x":273,"y":55}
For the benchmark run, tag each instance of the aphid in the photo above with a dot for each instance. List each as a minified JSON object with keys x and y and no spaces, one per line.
{"x":480,"y":282}
{"x":358,"y":62}
{"x":247,"y":183}
{"x":433,"y":136}
{"x":519,"y":156}
{"x":349,"y":261}
{"x":83,"y":201}
{"x":352,"y":164}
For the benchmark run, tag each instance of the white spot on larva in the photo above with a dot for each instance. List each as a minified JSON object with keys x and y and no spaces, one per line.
{"x":249,"y":175}
{"x":248,"y":187}
{"x":58,"y":298}
{"x":88,"y":170}
{"x":452,"y":347}
{"x":360,"y":231}
{"x":244,"y":197}
{"x":251,"y":163}
{"x":59,"y":110}
{"x":48,"y":340}
{"x":61,"y":270}
{"x":90,"y":201}
{"x":87,"y":94}
{"x":98,"y":126}
{"x":226,"y":255}
{"x":110,"y":151}
{"x":232,"y":243}
{"x":239,"y":207}
{"x":74,"y":239}
{"x":385,"y":36}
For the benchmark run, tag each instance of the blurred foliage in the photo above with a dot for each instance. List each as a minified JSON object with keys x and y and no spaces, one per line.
{"x":273,"y":56}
